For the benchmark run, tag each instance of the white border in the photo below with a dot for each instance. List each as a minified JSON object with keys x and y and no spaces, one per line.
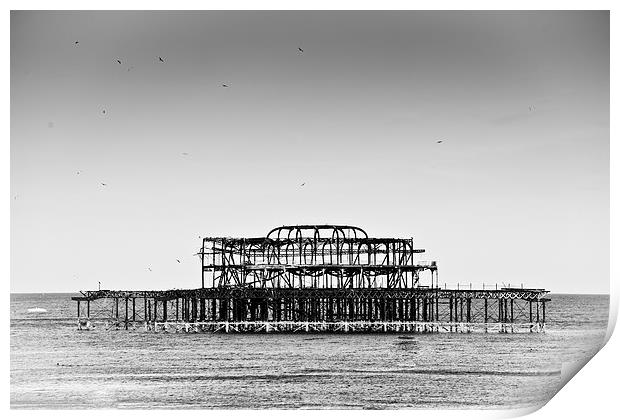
{"x":592,"y":394}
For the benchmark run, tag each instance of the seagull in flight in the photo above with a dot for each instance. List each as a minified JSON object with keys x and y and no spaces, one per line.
{"x":161,"y":59}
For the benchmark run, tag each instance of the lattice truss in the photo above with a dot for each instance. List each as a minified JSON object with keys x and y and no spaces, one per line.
{"x":126,"y":307}
{"x":313,"y":256}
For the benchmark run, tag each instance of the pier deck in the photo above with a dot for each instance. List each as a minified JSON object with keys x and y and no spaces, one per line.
{"x":316,"y":310}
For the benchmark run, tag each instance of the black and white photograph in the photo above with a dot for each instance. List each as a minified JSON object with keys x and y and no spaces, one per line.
{"x":307,"y":209}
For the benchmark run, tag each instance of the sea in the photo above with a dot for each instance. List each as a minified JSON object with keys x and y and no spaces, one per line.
{"x":55,"y":366}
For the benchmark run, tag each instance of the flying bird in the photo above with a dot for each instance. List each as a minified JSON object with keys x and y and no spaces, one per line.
{"x":119,"y":61}
{"x":303,"y":183}
{"x":105,"y":185}
{"x":77,"y":42}
{"x":300,"y":50}
{"x":225,"y":86}
{"x":178,"y":261}
{"x":439,"y":141}
{"x":161,"y":59}
{"x":103,"y":112}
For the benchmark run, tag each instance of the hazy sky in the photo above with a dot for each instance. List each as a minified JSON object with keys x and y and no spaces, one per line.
{"x":518,"y":192}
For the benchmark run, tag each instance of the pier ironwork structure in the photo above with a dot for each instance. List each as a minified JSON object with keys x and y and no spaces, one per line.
{"x":316,"y":278}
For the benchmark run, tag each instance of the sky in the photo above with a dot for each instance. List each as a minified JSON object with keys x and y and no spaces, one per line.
{"x":516,"y":192}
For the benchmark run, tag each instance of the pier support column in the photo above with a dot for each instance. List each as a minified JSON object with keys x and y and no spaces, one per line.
{"x":499,"y":311}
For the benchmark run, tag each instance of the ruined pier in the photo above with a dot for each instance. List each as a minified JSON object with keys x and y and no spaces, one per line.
{"x":315,"y":278}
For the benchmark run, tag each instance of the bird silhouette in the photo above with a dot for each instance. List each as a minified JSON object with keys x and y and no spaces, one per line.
{"x":119,"y":61}
{"x":161,"y":59}
{"x":225,"y":86}
{"x":103,"y":112}
{"x":77,"y":42}
{"x":105,"y":185}
{"x":303,"y":183}
{"x":300,"y":50}
{"x":439,"y":141}
{"x":178,"y":261}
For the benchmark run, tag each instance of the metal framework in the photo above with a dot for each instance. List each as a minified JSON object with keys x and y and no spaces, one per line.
{"x":315,"y":278}
{"x":315,"y":256}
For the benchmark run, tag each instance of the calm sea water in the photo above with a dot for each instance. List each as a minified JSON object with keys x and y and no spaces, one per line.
{"x":53,"y":365}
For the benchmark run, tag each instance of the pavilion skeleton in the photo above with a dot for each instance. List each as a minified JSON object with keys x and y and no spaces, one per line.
{"x":316,"y":278}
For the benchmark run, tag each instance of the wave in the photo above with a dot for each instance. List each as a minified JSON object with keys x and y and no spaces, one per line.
{"x":441,"y":371}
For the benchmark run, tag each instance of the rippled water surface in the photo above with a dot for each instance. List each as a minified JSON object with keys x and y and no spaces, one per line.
{"x":55,"y":366}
